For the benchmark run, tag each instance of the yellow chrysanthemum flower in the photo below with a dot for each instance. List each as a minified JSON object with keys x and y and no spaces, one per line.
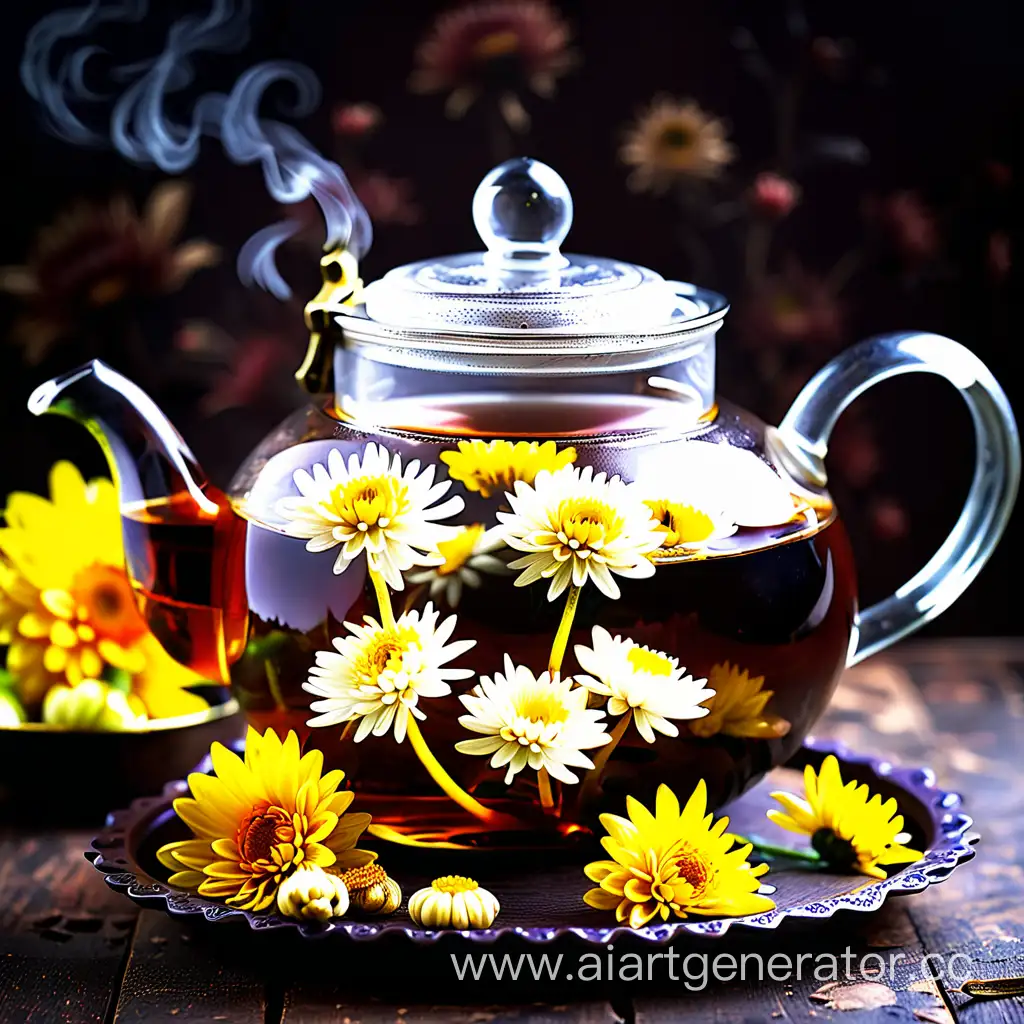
{"x":673,"y":862}
{"x":688,"y":526}
{"x":493,"y":467}
{"x":258,"y":820}
{"x":849,"y":828}
{"x":466,"y":556}
{"x":66,"y":605}
{"x":738,"y":707}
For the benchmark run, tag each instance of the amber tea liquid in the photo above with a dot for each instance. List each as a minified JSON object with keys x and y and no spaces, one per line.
{"x":776,"y":602}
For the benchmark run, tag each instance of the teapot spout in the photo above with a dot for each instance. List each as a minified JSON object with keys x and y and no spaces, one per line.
{"x":148,"y":459}
{"x":184,"y":544}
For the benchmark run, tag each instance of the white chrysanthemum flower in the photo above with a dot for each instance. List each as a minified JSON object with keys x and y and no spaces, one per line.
{"x":649,"y":683}
{"x":576,"y":525}
{"x":378,"y":675}
{"x":530,"y":722}
{"x":371,"y":505}
{"x":466,"y":556}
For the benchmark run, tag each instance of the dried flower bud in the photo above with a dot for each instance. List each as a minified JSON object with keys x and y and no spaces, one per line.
{"x":372,"y":890}
{"x":311,"y":894}
{"x":774,"y":196}
{"x":90,"y":705}
{"x":454,"y":902}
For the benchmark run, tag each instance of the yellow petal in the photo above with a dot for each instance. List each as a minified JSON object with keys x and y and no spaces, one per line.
{"x":90,"y":662}
{"x":34,"y":625}
{"x":59,"y":603}
{"x":666,"y":806}
{"x":600,"y":899}
{"x":55,"y":660}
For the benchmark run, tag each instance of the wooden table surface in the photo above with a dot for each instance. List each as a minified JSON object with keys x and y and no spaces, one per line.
{"x":72,"y":951}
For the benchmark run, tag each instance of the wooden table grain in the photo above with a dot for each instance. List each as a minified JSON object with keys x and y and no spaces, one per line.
{"x":71,"y":951}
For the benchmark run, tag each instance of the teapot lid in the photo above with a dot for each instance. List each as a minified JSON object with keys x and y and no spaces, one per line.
{"x":523,"y":287}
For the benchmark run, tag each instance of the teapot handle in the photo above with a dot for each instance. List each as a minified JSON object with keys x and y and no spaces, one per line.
{"x":802,"y":441}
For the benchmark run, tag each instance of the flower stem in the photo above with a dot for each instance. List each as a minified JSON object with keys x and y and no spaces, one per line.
{"x":547,"y":801}
{"x":387,"y":614}
{"x":593,"y":777}
{"x":450,"y":787}
{"x":564,"y":628}
{"x":772,"y":850}
{"x":274,"y":685}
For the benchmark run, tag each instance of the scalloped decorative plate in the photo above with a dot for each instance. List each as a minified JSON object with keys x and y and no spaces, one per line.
{"x":542,"y":900}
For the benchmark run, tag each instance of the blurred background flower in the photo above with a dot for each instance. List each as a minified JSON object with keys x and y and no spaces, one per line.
{"x":494,"y":48}
{"x":94,"y":257}
{"x":674,"y":139}
{"x":68,"y":613}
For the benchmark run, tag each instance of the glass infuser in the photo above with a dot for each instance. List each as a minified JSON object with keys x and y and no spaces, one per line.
{"x":614,"y":520}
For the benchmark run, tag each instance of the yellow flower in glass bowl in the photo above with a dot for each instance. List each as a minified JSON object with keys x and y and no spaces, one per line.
{"x":738,"y":706}
{"x":574,"y":526}
{"x":378,"y":674}
{"x":493,"y":467}
{"x":466,"y":556}
{"x":673,"y":862}
{"x":257,"y":821}
{"x":66,"y":606}
{"x":849,"y":828}
{"x":370,"y":504}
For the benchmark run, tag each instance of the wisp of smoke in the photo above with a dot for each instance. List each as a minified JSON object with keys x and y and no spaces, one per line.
{"x":54,"y":71}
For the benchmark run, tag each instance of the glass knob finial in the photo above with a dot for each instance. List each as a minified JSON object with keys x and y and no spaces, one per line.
{"x":523,"y":211}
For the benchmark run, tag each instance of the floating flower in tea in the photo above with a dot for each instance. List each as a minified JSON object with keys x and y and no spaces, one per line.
{"x":377,"y":674}
{"x":466,"y":556}
{"x":493,"y":467}
{"x":738,"y":706}
{"x":529,"y":721}
{"x":688,"y":526}
{"x":371,"y":505}
{"x":577,"y":526}
{"x":641,"y":684}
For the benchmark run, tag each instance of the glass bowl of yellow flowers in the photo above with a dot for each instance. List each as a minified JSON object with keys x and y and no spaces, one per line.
{"x":91,"y":707}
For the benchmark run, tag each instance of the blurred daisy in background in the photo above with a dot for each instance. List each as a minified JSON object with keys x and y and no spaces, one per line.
{"x":671,"y":140}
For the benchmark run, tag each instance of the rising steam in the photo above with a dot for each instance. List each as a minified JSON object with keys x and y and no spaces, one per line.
{"x":54,"y":69}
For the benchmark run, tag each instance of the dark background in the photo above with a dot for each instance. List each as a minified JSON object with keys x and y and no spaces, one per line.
{"x":930,"y":91}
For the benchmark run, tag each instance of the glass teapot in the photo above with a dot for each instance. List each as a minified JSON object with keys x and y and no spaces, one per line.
{"x":516,"y":559}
